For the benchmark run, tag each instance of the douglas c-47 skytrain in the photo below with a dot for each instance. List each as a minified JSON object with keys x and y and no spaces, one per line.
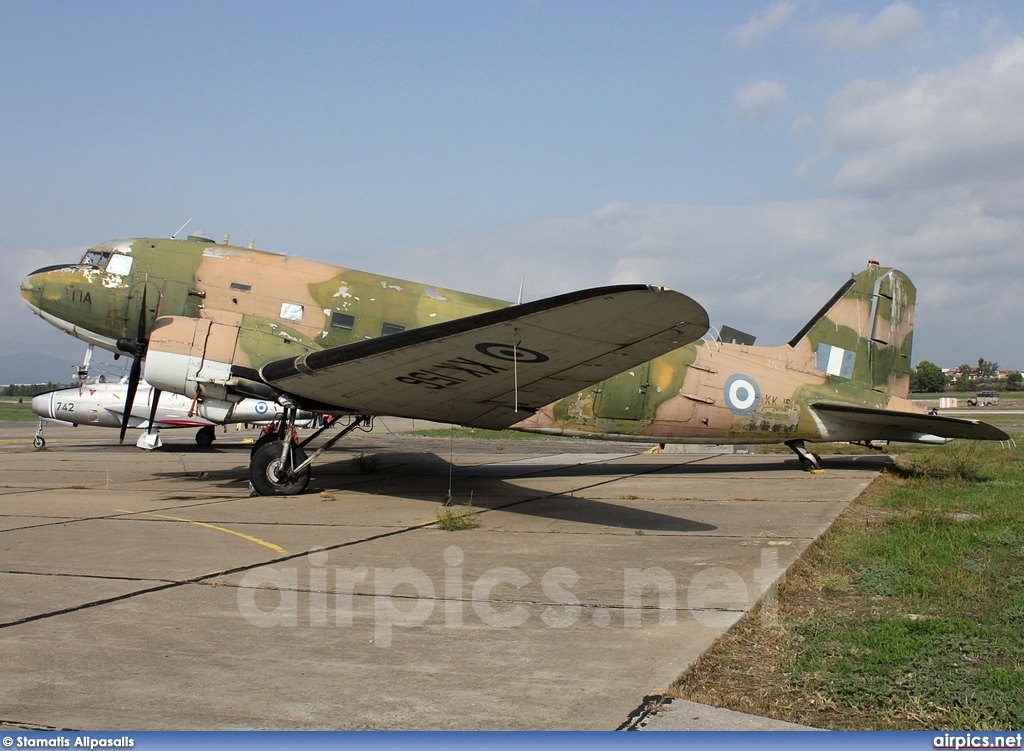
{"x":220,"y":323}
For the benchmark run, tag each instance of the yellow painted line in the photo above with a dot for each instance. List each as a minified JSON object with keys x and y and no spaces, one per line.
{"x":250,"y":538}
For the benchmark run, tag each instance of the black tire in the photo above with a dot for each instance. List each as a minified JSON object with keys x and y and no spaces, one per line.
{"x":38,"y":441}
{"x":265,"y":466}
{"x":263,"y":440}
{"x":206,"y":436}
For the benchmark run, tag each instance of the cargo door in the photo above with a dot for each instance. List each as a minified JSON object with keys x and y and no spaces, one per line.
{"x":622,"y":397}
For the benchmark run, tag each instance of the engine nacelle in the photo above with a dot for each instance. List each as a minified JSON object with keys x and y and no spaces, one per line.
{"x":192,"y":356}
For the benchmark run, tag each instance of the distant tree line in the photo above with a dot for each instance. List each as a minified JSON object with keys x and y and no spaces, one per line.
{"x":31,"y":389}
{"x":928,"y":377}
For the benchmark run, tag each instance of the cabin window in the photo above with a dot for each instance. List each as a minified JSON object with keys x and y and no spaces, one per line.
{"x":120,"y":265}
{"x":291,"y":312}
{"x":342,"y":321}
{"x":391,"y":328}
{"x":241,"y":287}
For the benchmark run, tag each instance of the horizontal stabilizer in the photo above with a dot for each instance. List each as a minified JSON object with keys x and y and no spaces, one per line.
{"x":496,"y":368}
{"x":895,"y":426}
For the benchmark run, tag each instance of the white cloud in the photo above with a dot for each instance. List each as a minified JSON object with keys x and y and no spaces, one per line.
{"x":758,"y":27}
{"x":891,"y":24}
{"x":760,"y":100}
{"x":801,"y":126}
{"x":956,"y":127}
{"x":767,"y":268}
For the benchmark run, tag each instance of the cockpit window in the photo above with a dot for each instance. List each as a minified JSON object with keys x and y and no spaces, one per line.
{"x":119,"y":264}
{"x":96,"y":258}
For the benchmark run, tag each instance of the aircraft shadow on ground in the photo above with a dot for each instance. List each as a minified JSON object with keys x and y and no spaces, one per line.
{"x":425,"y":477}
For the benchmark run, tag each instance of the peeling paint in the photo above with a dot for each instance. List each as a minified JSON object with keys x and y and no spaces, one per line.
{"x":218,"y":252}
{"x":434,"y":294}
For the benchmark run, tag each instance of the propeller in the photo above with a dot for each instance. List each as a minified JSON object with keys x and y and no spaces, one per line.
{"x":152,"y":409}
{"x":137,"y":348}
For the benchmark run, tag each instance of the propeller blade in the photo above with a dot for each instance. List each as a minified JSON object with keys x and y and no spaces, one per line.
{"x":152,"y":409}
{"x":135,"y":375}
{"x":141,"y":337}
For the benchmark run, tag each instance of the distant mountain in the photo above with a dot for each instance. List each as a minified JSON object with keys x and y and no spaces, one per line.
{"x":33,"y":367}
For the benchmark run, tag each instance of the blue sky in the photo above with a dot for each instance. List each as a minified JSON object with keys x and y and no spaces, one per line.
{"x":749,"y":154}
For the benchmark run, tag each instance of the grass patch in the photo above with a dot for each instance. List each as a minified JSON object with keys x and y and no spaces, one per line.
{"x":11,"y":411}
{"x":454,"y":519}
{"x":960,"y":460}
{"x":907,"y":615}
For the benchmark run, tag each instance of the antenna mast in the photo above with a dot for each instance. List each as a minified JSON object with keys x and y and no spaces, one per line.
{"x":181,"y":228}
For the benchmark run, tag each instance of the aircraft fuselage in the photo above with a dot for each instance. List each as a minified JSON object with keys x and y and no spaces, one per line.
{"x":283,"y":307}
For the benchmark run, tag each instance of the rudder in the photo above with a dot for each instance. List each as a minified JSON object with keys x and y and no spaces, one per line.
{"x":864,"y":333}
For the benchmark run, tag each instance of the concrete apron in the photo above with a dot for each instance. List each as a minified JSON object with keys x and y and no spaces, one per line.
{"x":147,"y":591}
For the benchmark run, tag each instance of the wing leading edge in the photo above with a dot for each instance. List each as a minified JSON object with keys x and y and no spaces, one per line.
{"x":900,"y":426}
{"x":478,"y":370}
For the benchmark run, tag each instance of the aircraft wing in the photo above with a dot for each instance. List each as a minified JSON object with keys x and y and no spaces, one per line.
{"x":895,"y":426}
{"x":496,"y":368}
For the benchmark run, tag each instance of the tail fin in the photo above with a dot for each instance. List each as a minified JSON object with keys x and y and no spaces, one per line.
{"x":864,"y":333}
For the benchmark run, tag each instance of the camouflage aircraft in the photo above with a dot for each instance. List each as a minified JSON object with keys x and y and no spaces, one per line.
{"x":220,"y":323}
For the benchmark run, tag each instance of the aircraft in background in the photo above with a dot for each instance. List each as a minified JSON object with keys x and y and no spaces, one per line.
{"x":103,"y":404}
{"x":220,"y":323}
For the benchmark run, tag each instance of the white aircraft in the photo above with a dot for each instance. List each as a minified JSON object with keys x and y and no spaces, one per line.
{"x":103,"y":404}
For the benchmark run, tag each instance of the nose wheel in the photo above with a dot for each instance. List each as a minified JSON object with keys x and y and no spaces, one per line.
{"x":39,"y":441}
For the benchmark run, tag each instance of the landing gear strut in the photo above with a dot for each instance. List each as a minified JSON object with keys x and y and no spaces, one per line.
{"x":808,"y":461}
{"x":39,"y":441}
{"x":279,"y":465}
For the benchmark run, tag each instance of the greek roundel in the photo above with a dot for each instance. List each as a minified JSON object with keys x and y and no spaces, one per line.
{"x":742,"y":394}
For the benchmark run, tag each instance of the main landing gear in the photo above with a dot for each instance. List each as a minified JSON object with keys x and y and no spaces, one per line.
{"x":808,"y":461}
{"x":278,"y":464}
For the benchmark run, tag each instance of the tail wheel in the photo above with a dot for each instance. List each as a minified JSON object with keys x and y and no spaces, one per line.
{"x":205,"y":436}
{"x":270,"y":476}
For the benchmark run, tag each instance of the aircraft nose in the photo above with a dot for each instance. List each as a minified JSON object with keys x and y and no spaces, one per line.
{"x":32,"y":289}
{"x":32,"y":286}
{"x":41,"y":404}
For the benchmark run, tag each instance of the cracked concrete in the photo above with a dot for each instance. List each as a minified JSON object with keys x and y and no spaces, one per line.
{"x":147,"y":591}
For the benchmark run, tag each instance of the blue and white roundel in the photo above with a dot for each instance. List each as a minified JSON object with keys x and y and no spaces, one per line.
{"x":742,"y":394}
{"x":261,"y":408}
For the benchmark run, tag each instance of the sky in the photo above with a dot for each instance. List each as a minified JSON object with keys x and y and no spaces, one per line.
{"x":751,"y":155}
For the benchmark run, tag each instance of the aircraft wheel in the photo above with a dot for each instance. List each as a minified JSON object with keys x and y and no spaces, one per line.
{"x":205,"y":436}
{"x":38,"y":442}
{"x":263,"y":440}
{"x":267,"y":475}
